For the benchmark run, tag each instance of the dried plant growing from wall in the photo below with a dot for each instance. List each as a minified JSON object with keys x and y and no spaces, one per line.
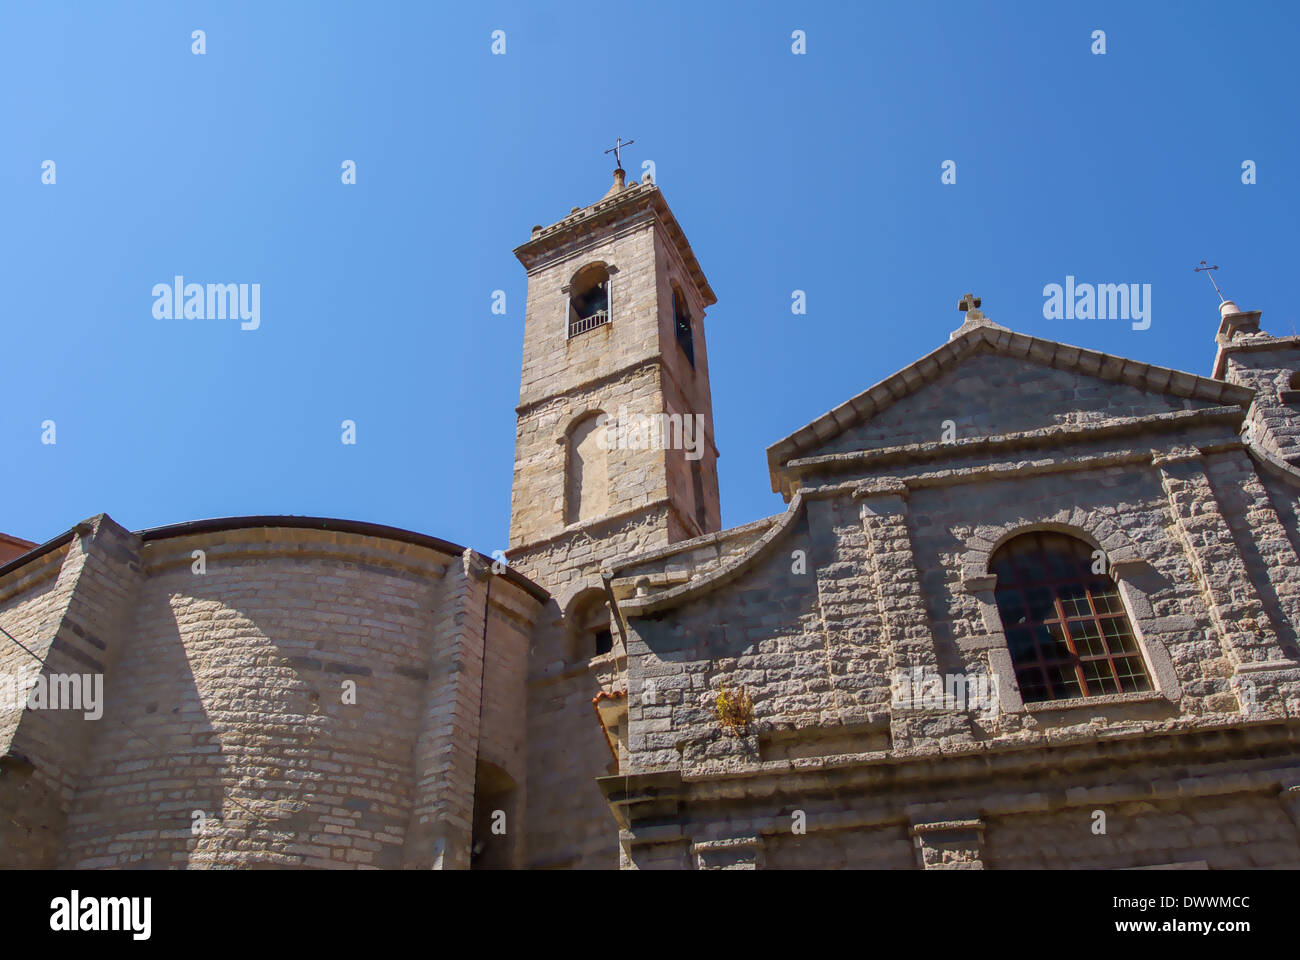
{"x":735,"y":709}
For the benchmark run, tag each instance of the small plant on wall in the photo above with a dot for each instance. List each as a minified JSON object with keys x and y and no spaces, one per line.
{"x":735,"y":708}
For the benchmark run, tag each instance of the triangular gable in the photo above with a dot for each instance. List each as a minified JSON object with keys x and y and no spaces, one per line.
{"x":954,"y":383}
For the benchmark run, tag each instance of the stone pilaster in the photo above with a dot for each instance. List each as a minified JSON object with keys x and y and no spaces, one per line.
{"x":442,"y":816}
{"x":904,"y":618}
{"x":1233,"y":602}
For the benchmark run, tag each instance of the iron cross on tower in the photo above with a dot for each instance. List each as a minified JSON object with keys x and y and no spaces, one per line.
{"x":1206,"y":270}
{"x":617,"y":149}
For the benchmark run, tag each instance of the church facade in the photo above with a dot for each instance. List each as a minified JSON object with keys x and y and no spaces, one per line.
{"x":1028,"y":605}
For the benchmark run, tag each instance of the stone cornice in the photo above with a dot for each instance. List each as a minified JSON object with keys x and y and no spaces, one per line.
{"x":610,"y":570}
{"x":1044,"y":438}
{"x":1004,"y":343}
{"x":724,"y":573}
{"x":582,"y":225}
{"x":593,"y":383}
{"x":1186,"y":739}
{"x":524,"y":549}
{"x":1251,"y":345}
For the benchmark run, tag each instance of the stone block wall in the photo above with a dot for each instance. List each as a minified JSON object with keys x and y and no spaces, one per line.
{"x":898,"y":529}
{"x":274,"y":696}
{"x":77,"y":622}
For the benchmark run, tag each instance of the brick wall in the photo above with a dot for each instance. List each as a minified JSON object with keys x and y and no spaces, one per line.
{"x":318,"y":698}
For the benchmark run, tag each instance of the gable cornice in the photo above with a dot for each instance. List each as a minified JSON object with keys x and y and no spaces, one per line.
{"x":1007,"y":343}
{"x":1043,"y":438}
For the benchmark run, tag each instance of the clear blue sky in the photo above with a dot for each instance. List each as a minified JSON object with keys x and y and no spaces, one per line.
{"x":818,"y":172}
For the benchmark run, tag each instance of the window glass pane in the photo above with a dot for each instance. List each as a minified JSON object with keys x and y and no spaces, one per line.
{"x":1031,"y":685}
{"x":1087,"y":638}
{"x":1021,"y":644}
{"x":1060,"y":565}
{"x":1040,"y":601}
{"x":1131,"y":674}
{"x":1074,"y":600}
{"x":1105,"y":599}
{"x":1052,"y":641}
{"x":1065,"y":682}
{"x":1030,"y":567}
{"x":1119,"y":638}
{"x":1011,"y":606}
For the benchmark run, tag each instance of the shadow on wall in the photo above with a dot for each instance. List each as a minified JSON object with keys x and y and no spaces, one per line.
{"x":153,"y":762}
{"x":494,"y":818}
{"x":228,"y":738}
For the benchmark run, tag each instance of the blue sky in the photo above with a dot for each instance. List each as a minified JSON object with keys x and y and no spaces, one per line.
{"x":818,"y":172}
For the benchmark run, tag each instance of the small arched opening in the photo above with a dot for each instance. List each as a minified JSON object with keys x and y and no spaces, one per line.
{"x":589,"y":298}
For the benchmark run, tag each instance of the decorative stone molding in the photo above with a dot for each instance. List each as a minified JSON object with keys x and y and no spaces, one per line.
{"x":949,"y":844}
{"x":1098,"y":531}
{"x":977,"y":585}
{"x":732,"y":853}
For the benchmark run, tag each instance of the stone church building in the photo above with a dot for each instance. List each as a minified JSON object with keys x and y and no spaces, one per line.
{"x":1027,"y":605}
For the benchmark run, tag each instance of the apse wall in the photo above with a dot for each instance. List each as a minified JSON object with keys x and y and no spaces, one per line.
{"x":296,"y":696}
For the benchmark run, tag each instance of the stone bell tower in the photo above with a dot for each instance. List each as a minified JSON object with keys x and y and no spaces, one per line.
{"x":614,"y":442}
{"x":614,"y":454}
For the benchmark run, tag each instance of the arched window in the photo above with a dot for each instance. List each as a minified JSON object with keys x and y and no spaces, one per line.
{"x":697,"y":489}
{"x":588,"y":299}
{"x":682,"y":324}
{"x":589,"y":626}
{"x":586,"y":482}
{"x":1066,"y":626}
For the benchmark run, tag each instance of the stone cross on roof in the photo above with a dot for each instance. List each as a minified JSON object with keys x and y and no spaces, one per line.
{"x":970,"y":305}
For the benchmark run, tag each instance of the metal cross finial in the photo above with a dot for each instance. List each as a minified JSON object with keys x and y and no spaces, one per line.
{"x":1206,"y":270}
{"x":617,"y":149}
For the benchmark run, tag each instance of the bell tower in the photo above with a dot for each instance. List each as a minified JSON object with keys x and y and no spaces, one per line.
{"x":614,"y":447}
{"x":614,"y":455}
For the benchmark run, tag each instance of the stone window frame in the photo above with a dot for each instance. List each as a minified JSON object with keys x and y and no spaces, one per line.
{"x":577,"y":630}
{"x":1125,"y":566}
{"x":610,"y":271}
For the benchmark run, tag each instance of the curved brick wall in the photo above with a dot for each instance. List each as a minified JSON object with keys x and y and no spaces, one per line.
{"x":225,"y":694}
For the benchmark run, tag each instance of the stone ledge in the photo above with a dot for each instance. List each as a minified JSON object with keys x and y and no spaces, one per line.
{"x":1266,"y":666}
{"x":945,"y":826}
{"x":1041,"y":438}
{"x":1107,"y":699}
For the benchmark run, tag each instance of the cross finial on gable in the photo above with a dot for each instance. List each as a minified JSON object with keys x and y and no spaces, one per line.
{"x":970,"y":305}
